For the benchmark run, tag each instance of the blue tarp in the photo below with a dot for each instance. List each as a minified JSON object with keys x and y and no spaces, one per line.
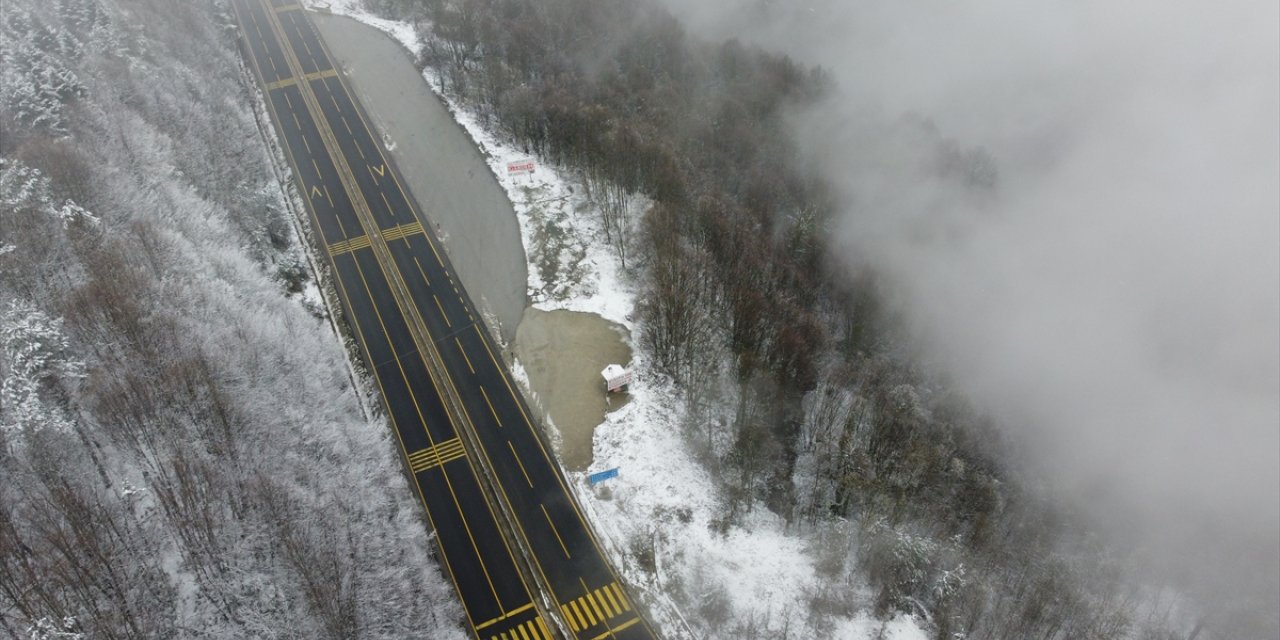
{"x":602,"y":476}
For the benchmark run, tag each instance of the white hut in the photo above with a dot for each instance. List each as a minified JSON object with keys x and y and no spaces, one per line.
{"x":616,"y":377}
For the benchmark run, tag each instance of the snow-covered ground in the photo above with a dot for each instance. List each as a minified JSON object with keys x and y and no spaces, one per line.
{"x":661,"y":508}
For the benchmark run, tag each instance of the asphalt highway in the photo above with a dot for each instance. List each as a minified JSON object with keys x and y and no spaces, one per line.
{"x":482,"y":469}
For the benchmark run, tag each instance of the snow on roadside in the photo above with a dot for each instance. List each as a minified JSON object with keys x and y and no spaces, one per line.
{"x":403,"y":32}
{"x":864,"y":627}
{"x":657,"y":518}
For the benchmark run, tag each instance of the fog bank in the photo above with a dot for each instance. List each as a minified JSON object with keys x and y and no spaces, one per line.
{"x":1115,"y":298}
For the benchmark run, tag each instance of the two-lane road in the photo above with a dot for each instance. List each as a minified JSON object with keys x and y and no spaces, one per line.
{"x":449,"y":400}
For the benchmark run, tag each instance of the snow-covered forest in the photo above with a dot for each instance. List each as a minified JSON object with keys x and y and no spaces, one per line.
{"x":182,"y":451}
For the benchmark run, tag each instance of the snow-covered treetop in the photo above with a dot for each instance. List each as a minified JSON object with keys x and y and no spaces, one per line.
{"x":34,"y":359}
{"x":24,"y":188}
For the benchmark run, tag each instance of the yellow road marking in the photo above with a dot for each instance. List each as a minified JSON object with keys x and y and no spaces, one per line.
{"x":294,"y":21}
{"x":390,"y":209}
{"x":520,"y":464}
{"x":582,"y":620}
{"x":519,"y":610}
{"x":317,"y":75}
{"x":436,"y":455}
{"x":490,"y":404}
{"x":621,"y":598}
{"x":464,"y":354}
{"x":345,"y":234}
{"x":280,"y":84}
{"x":315,"y":191}
{"x":524,"y":635}
{"x":401,"y":231}
{"x":553,"y":528}
{"x":615,"y":630}
{"x":349,"y":245}
{"x":607,"y":594}
{"x":568,"y":615}
{"x":431,"y":243}
{"x":543,"y":626}
{"x":589,"y":604}
{"x":441,"y":308}
{"x":594,"y":607}
{"x":421,"y":272}
{"x":514,"y":612}
{"x":604,"y":604}
{"x":287,"y":7}
{"x":586,"y":611}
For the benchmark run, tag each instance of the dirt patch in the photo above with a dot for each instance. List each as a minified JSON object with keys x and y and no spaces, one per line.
{"x":563,"y":353}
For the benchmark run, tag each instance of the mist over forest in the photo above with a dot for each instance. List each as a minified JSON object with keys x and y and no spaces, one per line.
{"x":1114,"y":300}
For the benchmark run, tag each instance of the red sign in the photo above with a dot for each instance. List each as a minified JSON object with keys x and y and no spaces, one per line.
{"x":520,"y":166}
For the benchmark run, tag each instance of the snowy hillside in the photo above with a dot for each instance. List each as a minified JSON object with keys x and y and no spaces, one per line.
{"x":182,"y":450}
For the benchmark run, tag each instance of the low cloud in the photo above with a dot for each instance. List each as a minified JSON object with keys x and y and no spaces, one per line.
{"x":1115,"y":298}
